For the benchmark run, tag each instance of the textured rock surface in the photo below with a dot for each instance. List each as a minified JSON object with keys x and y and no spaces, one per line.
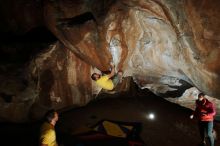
{"x":147,"y":39}
{"x":162,"y":44}
{"x":60,"y":78}
{"x":55,"y":78}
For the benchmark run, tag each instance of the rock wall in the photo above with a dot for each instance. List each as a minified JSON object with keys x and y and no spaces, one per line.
{"x":162,"y":44}
{"x":62,"y":80}
{"x":146,"y":39}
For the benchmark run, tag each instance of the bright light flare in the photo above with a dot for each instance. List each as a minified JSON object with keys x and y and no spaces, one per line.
{"x":151,"y":116}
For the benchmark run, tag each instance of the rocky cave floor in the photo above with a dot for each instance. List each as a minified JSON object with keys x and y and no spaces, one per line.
{"x":171,"y":126}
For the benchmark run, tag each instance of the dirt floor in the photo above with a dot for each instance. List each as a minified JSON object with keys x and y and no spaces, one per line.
{"x":171,"y":126}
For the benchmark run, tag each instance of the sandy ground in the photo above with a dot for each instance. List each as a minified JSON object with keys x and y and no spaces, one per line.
{"x":171,"y":126}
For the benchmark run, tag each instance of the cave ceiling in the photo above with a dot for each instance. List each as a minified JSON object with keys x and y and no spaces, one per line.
{"x":164,"y":45}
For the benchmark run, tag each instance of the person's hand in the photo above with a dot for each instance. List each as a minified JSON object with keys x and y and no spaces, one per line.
{"x":191,"y":116}
{"x":112,"y":70}
{"x":112,"y":65}
{"x":204,"y":113}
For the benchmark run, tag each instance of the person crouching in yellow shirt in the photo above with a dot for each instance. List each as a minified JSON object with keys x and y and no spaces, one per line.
{"x":109,"y":81}
{"x":47,"y":132}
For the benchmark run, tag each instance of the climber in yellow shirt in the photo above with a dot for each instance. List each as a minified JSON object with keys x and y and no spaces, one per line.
{"x":47,"y":132}
{"x":109,"y":81}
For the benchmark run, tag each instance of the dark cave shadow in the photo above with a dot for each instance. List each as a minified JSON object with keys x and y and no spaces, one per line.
{"x":77,"y":20}
{"x":46,"y":83}
{"x":179,"y":90}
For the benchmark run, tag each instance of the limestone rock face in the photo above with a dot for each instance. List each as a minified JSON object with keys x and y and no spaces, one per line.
{"x":204,"y":23}
{"x":163,"y":44}
{"x":62,"y":80}
{"x":55,"y":78}
{"x":146,"y":39}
